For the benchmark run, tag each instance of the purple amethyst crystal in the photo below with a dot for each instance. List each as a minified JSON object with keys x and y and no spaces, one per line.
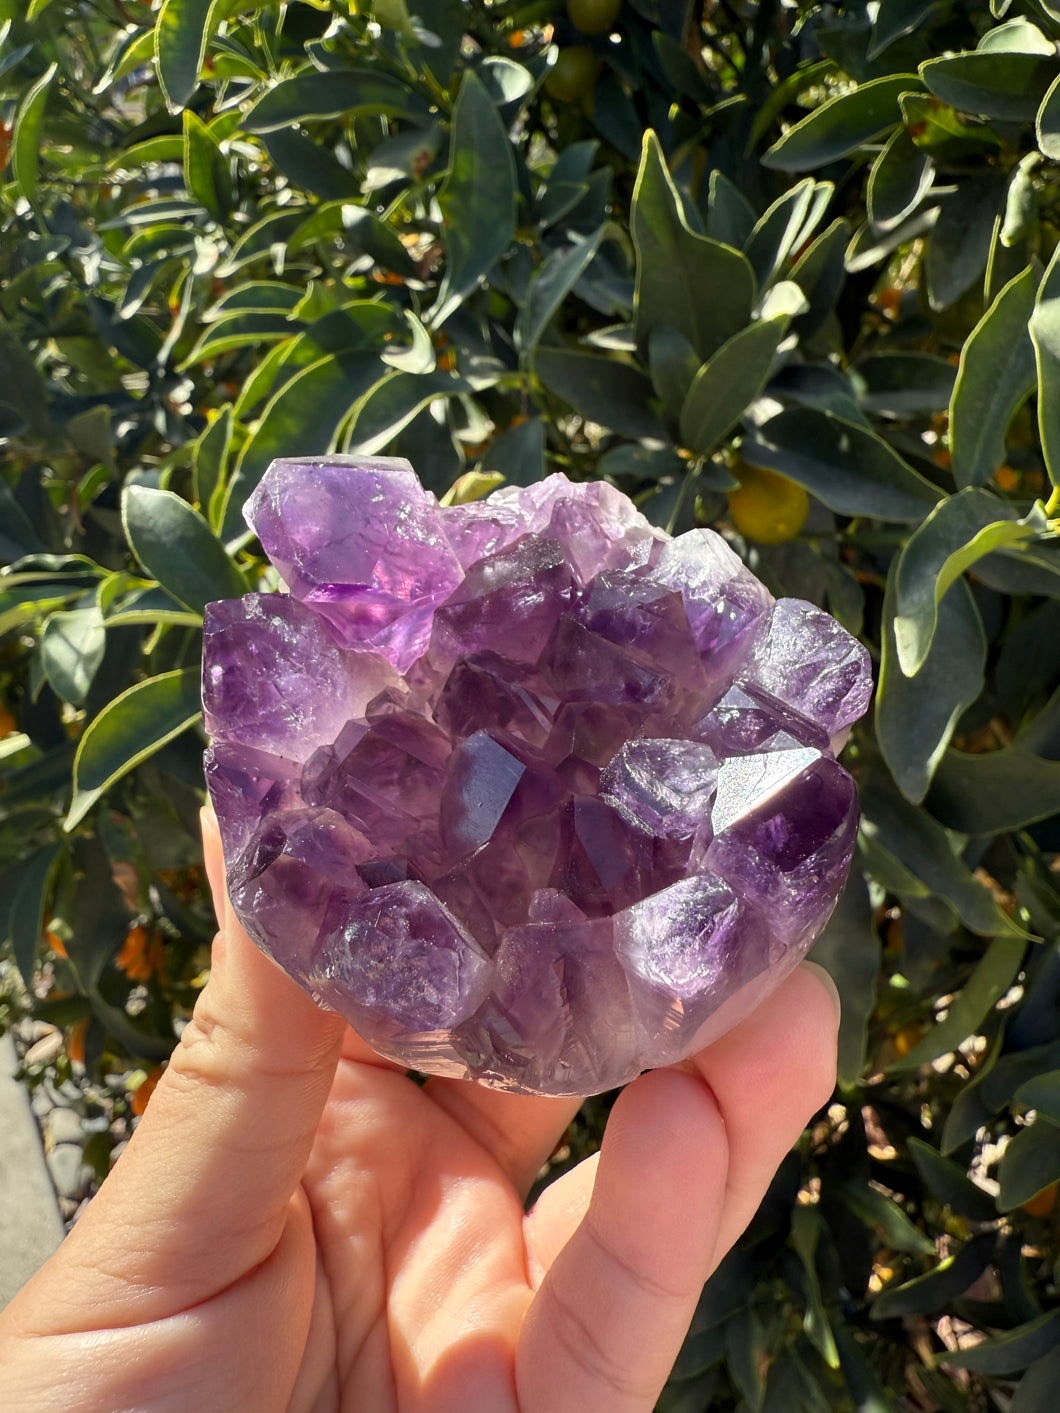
{"x":526,"y":790}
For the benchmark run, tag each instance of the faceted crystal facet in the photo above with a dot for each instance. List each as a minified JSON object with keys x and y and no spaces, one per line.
{"x":526,"y":790}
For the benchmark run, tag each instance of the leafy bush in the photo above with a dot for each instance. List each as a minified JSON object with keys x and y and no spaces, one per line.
{"x":806,"y":249}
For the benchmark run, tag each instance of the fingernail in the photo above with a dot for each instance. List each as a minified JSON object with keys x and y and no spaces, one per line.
{"x":829,"y":985}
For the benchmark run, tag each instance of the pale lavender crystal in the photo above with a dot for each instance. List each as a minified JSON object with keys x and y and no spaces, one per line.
{"x":526,"y":790}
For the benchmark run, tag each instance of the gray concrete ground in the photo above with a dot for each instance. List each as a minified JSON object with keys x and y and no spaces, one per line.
{"x":30,"y":1225}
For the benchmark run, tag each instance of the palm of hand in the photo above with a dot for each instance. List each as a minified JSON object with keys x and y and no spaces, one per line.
{"x":298,"y":1226}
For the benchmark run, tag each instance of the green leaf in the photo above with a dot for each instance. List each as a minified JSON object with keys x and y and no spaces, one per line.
{"x":900,"y":177}
{"x":519,"y":453}
{"x":177,"y":547}
{"x":1037,"y":1389}
{"x":614,"y":394}
{"x":994,"y":792}
{"x":1045,"y":339}
{"x":71,"y":650}
{"x":849,"y":468}
{"x":138,"y":722}
{"x":849,"y":950}
{"x":995,"y":973}
{"x":672,"y":363}
{"x":820,"y":272}
{"x":904,"y":385}
{"x":938,"y":1289}
{"x":922,"y":846}
{"x":807,"y":1225}
{"x":98,"y":914}
{"x":363,"y":231}
{"x":916,"y":716}
{"x":730,"y":380}
{"x":205,"y":169}
{"x":1042,"y":1093}
{"x":994,"y":85}
{"x":897,"y":18}
{"x":1030,"y":1163}
{"x":26,"y":143}
{"x":841,"y":125}
{"x":960,"y":530}
{"x":1011,"y":1352}
{"x":996,"y":374}
{"x":256,"y":297}
{"x":779,"y":231}
{"x":1047,"y":123}
{"x":960,"y":240}
{"x":951,"y":1184}
{"x":943,"y":133}
{"x":238,"y":330}
{"x":883,"y":1214}
{"x":552,"y":282}
{"x":1016,"y":37}
{"x":313,"y":95}
{"x":25,"y":921}
{"x":477,"y":199}
{"x":181,"y":36}
{"x":302,"y":419}
{"x":688,"y":282}
{"x":730,"y":216}
{"x":211,"y":462}
{"x":391,"y":404}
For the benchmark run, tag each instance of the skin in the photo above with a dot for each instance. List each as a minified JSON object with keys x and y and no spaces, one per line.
{"x":296,"y":1225}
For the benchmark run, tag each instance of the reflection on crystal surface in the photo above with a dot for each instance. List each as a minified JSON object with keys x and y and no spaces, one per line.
{"x":528,"y":792}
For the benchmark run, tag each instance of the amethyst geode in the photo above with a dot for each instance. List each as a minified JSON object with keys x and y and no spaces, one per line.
{"x":526,"y":790}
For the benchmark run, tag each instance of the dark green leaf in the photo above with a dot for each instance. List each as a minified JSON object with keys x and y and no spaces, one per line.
{"x":25,"y":921}
{"x":71,"y":650}
{"x":26,"y":143}
{"x":916,"y":716}
{"x":614,"y":394}
{"x":363,"y":231}
{"x":181,"y":35}
{"x":239,"y":330}
{"x":992,"y":977}
{"x":778,"y":232}
{"x":884,"y":1215}
{"x":519,"y":453}
{"x":98,"y":915}
{"x":730,"y":216}
{"x":848,"y":467}
{"x":996,"y":375}
{"x":730,"y":380}
{"x":302,"y":419}
{"x":1011,"y":1352}
{"x":17,"y":535}
{"x":896,"y":18}
{"x":957,"y":533}
{"x":900,"y":177}
{"x":841,"y":125}
{"x":960,"y":240}
{"x":688,"y":282}
{"x":1042,"y":1093}
{"x":205,"y":169}
{"x":807,"y":1226}
{"x":138,"y":722}
{"x":849,"y":950}
{"x":1045,"y":338}
{"x":391,"y":404}
{"x":1030,"y":1163}
{"x":309,"y":165}
{"x":478,"y":198}
{"x":257,"y":297}
{"x":673,"y":363}
{"x":177,"y":547}
{"x":1037,"y":1389}
{"x":923,"y":847}
{"x":211,"y":461}
{"x":313,"y":95}
{"x":994,"y":792}
{"x":820,"y":272}
{"x":551,"y":284}
{"x":1001,"y":85}
{"x":951,"y":1184}
{"x":938,"y":1289}
{"x":1048,"y":123}
{"x":904,"y":384}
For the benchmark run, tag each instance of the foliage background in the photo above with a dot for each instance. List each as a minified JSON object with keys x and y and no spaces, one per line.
{"x":232,"y":230}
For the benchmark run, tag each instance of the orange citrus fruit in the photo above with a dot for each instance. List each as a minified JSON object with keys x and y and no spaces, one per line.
{"x":767,"y":507}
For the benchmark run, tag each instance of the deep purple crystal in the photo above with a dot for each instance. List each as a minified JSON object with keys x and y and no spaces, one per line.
{"x":526,"y":790}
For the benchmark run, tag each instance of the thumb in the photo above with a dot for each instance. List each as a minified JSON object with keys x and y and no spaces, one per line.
{"x":201,"y":1195}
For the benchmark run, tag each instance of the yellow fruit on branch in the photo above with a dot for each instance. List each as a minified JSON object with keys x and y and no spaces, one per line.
{"x":766,"y":507}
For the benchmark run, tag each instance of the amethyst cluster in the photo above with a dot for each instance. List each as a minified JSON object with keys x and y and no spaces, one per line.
{"x":525,"y":789}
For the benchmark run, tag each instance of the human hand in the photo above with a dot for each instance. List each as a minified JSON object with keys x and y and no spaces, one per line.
{"x":296,"y":1225}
